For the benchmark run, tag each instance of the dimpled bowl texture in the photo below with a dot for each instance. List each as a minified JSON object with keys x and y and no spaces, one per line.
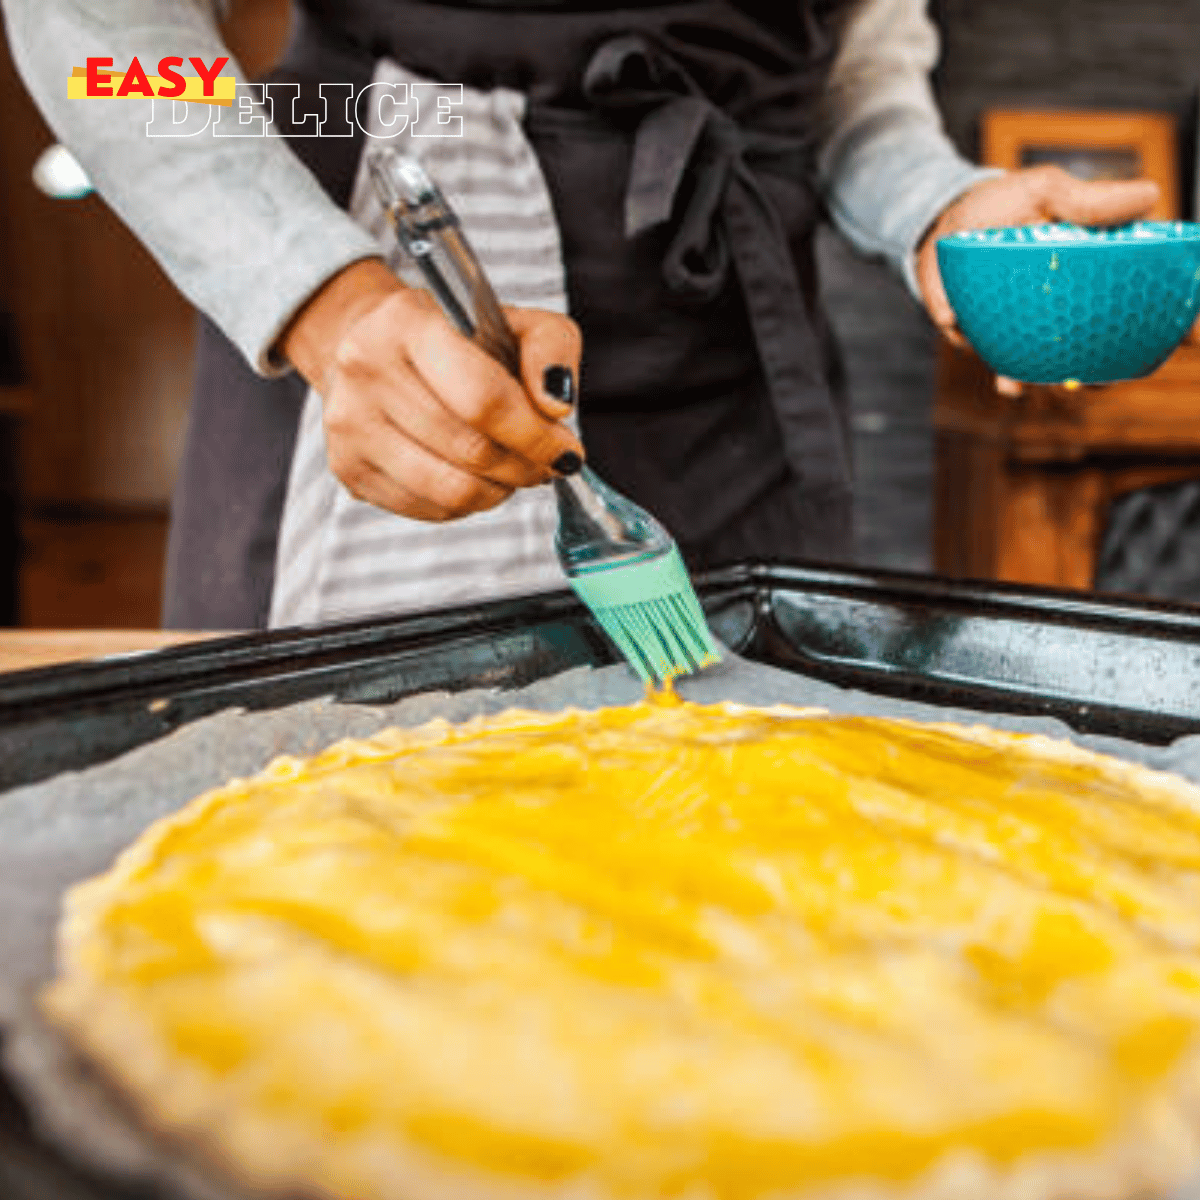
{"x":1055,"y":303}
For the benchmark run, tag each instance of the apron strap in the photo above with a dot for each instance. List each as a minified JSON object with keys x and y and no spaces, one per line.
{"x":689,"y":153}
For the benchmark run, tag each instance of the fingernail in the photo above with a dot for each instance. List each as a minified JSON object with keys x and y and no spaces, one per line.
{"x":568,"y":464}
{"x":559,"y":382}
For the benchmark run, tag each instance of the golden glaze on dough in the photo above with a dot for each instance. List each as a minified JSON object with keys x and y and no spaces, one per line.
{"x":660,"y":950}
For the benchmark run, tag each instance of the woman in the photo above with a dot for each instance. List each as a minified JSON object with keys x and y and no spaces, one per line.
{"x":665,"y":164}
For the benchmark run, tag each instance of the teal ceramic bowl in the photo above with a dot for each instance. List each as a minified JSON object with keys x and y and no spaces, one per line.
{"x":1054,"y":303}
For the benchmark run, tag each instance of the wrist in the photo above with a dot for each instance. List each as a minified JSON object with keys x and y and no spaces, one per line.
{"x":312,"y":337}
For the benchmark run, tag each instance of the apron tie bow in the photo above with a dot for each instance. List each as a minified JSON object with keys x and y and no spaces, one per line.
{"x":693,"y":162}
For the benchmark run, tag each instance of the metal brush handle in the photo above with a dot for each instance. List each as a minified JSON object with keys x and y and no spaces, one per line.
{"x":429,"y":231}
{"x":597,"y":525}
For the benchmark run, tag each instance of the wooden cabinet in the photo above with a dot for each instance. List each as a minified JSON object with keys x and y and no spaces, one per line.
{"x":1023,"y":485}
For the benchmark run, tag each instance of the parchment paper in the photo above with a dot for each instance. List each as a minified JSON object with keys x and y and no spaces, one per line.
{"x":55,"y":833}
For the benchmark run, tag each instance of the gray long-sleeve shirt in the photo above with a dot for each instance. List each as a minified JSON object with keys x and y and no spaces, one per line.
{"x":247,"y":234}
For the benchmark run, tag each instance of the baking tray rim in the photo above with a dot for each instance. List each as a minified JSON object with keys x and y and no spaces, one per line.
{"x":1167,"y":620}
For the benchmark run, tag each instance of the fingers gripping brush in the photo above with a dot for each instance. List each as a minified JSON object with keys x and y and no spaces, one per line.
{"x":621,"y":562}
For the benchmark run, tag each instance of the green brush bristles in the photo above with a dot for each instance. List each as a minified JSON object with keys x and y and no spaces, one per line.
{"x":649,"y":608}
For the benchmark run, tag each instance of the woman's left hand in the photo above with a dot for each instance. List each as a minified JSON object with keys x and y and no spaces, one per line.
{"x":1025,"y":197}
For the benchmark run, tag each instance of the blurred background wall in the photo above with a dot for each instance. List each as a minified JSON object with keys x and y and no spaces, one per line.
{"x":106,"y":348}
{"x":104,"y":387}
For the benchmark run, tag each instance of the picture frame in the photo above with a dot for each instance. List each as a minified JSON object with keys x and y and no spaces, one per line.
{"x":1090,"y":145}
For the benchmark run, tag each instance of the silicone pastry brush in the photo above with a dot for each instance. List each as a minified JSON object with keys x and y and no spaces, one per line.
{"x":621,"y":562}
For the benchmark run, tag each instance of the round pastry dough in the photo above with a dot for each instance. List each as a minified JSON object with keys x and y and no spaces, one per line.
{"x":666,"y":950}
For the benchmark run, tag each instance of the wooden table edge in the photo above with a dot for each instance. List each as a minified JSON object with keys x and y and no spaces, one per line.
{"x":25,"y":649}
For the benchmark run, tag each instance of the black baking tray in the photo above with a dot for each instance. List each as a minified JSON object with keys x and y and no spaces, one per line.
{"x":1103,"y":665}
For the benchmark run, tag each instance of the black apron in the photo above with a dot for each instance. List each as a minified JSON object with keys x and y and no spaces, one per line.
{"x":678,"y":145}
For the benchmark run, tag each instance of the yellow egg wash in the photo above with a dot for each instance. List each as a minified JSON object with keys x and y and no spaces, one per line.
{"x":660,"y":950}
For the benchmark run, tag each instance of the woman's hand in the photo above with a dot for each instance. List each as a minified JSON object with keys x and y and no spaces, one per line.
{"x":1025,"y":197}
{"x":418,"y":419}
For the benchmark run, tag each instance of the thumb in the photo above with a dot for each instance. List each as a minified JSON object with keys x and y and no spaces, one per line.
{"x":1100,"y":201}
{"x":929,"y":278}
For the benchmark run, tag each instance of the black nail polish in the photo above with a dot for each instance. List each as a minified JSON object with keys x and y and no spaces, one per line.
{"x":568,"y":464}
{"x":559,"y":382}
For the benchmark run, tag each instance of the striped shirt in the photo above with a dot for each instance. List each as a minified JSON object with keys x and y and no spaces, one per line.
{"x":339,"y":557}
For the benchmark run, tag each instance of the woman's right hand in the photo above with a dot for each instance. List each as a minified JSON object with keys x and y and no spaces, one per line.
{"x":418,"y":419}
